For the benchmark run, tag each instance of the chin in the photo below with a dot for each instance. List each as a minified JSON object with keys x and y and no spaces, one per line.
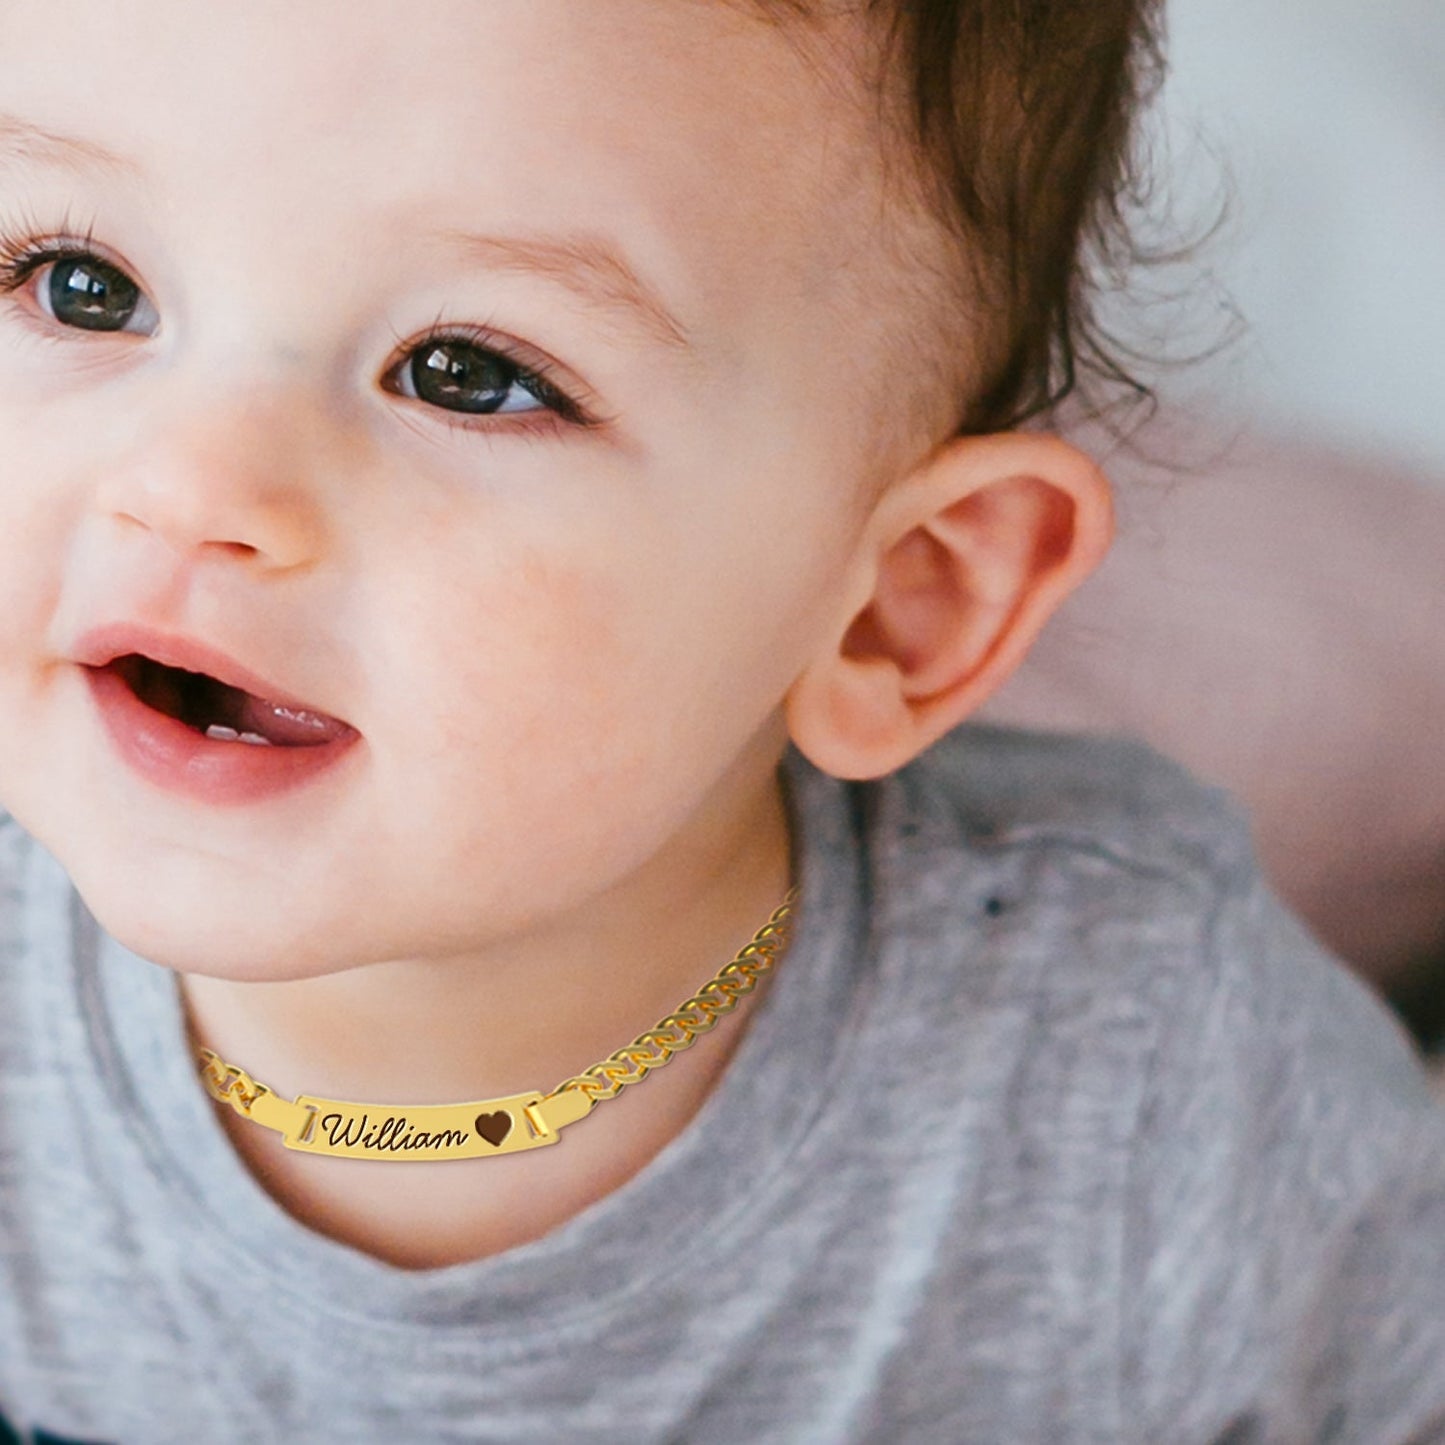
{"x":195,"y":926}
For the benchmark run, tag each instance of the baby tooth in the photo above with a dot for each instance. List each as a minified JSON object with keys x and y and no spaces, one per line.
{"x":230,"y":735}
{"x":296,"y":714}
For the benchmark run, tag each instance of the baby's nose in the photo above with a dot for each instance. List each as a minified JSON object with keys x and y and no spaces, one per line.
{"x":240,"y":483}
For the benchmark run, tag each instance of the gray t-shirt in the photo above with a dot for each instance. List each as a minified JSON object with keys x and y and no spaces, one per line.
{"x":1053,"y":1127}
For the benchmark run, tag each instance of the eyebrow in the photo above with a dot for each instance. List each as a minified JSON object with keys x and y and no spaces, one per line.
{"x":587,"y":265}
{"x":24,"y":141}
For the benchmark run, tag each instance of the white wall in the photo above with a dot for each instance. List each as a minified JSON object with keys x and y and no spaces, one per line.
{"x":1330,"y":115}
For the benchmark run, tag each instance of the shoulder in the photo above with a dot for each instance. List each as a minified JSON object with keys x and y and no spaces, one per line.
{"x":1113,"y":799}
{"x":1093,"y":867}
{"x":1086,"y":922}
{"x":1037,"y":913}
{"x":1112,"y":904}
{"x":1041,"y":866}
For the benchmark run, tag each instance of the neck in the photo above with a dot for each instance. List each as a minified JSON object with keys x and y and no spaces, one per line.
{"x":524,"y":1013}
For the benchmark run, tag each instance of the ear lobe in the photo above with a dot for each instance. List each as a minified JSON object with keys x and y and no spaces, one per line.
{"x":969,"y":557}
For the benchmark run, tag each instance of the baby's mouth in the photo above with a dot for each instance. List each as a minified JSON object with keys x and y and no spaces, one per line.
{"x":223,"y":712}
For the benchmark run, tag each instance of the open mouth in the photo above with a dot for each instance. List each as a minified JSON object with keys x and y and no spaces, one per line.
{"x":220,"y":711}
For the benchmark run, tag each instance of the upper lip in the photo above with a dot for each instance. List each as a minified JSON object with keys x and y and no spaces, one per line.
{"x":102,"y":645}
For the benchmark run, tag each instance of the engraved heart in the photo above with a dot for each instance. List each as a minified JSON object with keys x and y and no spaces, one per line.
{"x":494,"y":1127}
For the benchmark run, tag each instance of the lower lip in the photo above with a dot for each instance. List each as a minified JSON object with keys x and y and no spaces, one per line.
{"x":181,"y":760}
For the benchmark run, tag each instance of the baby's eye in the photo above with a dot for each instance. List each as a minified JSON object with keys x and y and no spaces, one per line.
{"x":458,"y":374}
{"x":89,"y":294}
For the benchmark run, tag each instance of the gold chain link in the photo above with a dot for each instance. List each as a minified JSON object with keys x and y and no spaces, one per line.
{"x":682,"y":1028}
{"x":229,"y":1084}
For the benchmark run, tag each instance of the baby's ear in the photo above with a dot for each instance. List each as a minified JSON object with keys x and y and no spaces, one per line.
{"x":959,"y":567}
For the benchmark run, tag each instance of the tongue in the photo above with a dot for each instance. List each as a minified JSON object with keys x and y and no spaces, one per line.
{"x":287,"y":726}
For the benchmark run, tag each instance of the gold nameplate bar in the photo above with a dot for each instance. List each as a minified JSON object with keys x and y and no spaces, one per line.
{"x":420,"y":1131}
{"x":345,"y":1130}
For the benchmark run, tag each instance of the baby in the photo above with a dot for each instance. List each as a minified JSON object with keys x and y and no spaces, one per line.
{"x":499,"y":502}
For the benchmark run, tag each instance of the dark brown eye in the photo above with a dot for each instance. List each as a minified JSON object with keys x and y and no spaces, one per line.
{"x":461,"y":376}
{"x":90,"y":294}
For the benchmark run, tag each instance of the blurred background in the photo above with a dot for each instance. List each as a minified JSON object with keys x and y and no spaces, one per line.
{"x":1273,"y":614}
{"x":1322,"y":124}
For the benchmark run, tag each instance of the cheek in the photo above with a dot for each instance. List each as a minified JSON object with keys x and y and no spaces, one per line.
{"x":512,"y":688}
{"x":546,"y":655}
{"x":549,"y":720}
{"x":36,"y":520}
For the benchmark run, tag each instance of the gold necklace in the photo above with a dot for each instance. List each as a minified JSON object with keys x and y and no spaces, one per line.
{"x":485,"y":1127}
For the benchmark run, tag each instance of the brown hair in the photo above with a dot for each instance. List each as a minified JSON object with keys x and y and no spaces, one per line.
{"x":1024,"y":112}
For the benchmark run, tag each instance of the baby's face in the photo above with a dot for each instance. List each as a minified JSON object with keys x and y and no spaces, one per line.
{"x":501,"y":379}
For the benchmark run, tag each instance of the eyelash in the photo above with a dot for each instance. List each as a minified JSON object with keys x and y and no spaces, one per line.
{"x":23,"y":254}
